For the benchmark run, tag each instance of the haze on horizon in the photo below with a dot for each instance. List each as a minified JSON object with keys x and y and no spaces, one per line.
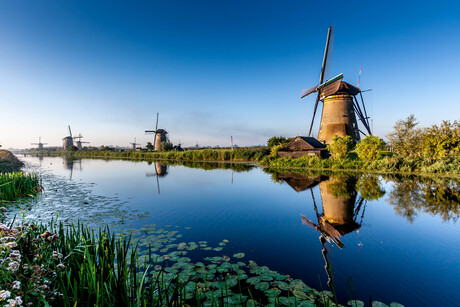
{"x":216,"y":69}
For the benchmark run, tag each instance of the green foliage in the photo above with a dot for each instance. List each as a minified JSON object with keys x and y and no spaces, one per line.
{"x":72,"y":148}
{"x":340,"y":147}
{"x":369,"y":147}
{"x":442,"y":140}
{"x":149,"y":146}
{"x":17,"y":184}
{"x":405,"y":139}
{"x":277,"y":140}
{"x":274,"y":150}
{"x":166,"y":146}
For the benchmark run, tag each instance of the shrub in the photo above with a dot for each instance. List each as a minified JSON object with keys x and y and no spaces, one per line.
{"x":369,"y":147}
{"x":340,"y":147}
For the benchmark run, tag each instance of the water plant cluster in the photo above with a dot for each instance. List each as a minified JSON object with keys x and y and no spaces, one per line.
{"x":68,"y":265}
{"x":17,"y":184}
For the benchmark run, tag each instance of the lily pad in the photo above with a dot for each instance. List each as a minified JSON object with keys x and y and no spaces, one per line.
{"x":355,"y":303}
{"x":262,"y":286}
{"x":239,"y":255}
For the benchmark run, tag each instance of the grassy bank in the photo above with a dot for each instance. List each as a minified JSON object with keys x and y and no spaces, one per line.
{"x":9,"y":162}
{"x":73,"y":265}
{"x":416,"y":164}
{"x":238,"y":154}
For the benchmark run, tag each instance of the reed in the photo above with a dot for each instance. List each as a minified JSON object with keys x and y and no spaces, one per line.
{"x":16,"y":185}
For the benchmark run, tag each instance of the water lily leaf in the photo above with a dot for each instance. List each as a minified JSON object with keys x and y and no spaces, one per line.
{"x":218,"y":249}
{"x":251,"y":303}
{"x":307,"y":303}
{"x":239,"y":255}
{"x":394,"y":304}
{"x":202,"y":242}
{"x":231,"y":281}
{"x":282,"y":285}
{"x":300,"y":294}
{"x":253,"y":280}
{"x":272,"y":292}
{"x":355,"y":303}
{"x":262,"y":286}
{"x":287,"y":301}
{"x":378,"y":304}
{"x":265,"y":278}
{"x":207,"y":248}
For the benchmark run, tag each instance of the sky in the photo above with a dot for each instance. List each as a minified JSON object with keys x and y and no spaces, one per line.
{"x":215,"y":69}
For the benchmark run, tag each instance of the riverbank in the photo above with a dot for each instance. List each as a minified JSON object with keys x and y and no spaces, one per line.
{"x":9,"y":162}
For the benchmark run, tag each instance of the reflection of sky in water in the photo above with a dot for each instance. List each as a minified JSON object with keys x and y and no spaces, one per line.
{"x":388,"y":257}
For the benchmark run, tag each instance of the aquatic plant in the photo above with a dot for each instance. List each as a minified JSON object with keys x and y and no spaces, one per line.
{"x":17,"y":184}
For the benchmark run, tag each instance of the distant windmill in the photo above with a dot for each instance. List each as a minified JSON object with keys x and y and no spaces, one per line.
{"x":68,"y":140}
{"x":79,"y":142}
{"x":339,"y":104}
{"x":160,"y":135}
{"x":134,"y":144}
{"x":40,"y":144}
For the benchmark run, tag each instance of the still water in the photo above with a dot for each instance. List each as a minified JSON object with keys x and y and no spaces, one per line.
{"x":396,"y":239}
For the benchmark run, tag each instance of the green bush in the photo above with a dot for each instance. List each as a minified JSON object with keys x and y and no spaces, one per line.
{"x":369,"y":147}
{"x":340,"y":147}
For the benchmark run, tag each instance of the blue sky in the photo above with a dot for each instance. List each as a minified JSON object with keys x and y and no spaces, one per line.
{"x":213,"y":69}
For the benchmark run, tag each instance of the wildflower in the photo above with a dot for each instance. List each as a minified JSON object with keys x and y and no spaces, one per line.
{"x":61,"y":266}
{"x":16,"y":284}
{"x":18,"y":300}
{"x":57,"y":255}
{"x":15,"y":255}
{"x":13,"y":266}
{"x":4,"y":294}
{"x":11,"y":244}
{"x":3,"y":209}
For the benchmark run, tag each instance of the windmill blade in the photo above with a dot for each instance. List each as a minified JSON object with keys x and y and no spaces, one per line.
{"x":156,"y":129}
{"x":327,"y":54}
{"x":309,"y":91}
{"x":70,"y":131}
{"x":314,"y":113}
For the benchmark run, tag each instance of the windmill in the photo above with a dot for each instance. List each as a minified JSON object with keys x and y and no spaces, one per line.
{"x":40,"y":144}
{"x":134,"y":144}
{"x":160,"y":135}
{"x":79,"y":142}
{"x":340,"y":105}
{"x":68,"y":140}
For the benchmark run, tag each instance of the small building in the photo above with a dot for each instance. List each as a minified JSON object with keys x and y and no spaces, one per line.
{"x":303,"y":146}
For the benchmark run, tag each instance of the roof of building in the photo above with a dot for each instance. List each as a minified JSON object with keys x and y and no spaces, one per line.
{"x":312,"y":141}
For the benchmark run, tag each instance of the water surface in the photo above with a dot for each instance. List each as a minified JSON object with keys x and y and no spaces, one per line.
{"x":395,"y":238}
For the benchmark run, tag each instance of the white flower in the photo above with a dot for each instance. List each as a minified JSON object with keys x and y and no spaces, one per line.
{"x":11,"y":244}
{"x":18,"y":300}
{"x":57,"y":255}
{"x":3,"y":209}
{"x":11,"y":302}
{"x":16,"y":284}
{"x":4,"y":294}
{"x":13,"y":266}
{"x":61,"y":266}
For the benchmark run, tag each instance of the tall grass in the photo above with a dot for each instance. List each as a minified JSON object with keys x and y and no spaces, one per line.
{"x":17,"y":184}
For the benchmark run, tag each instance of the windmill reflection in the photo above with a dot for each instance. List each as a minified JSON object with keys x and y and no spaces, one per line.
{"x":161,"y":170}
{"x":342,"y":208}
{"x":68,"y":163}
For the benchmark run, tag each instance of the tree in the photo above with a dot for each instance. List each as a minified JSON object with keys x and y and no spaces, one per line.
{"x":369,"y":147}
{"x":442,"y":140}
{"x":72,"y":148}
{"x":166,"y":146}
{"x":340,"y":147}
{"x":149,"y":146}
{"x":405,"y":139}
{"x":277,"y":140}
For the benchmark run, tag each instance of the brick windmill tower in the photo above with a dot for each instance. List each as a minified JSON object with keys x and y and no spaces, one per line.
{"x":340,"y":106}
